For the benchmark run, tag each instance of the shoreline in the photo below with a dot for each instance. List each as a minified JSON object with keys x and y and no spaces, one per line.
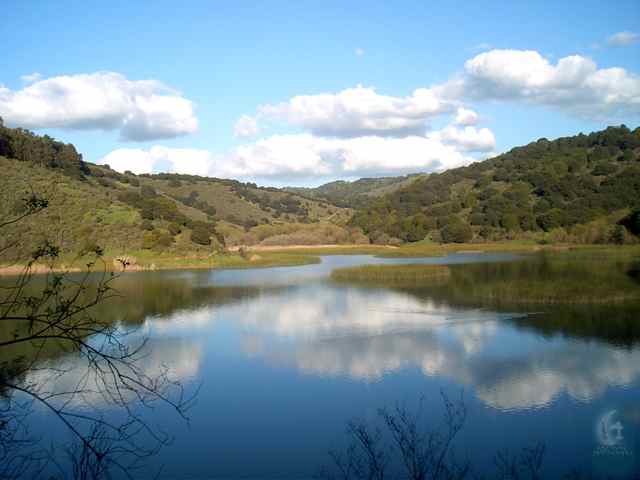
{"x":328,"y":246}
{"x":262,"y":256}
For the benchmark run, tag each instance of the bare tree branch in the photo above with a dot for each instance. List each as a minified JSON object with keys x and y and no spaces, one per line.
{"x":94,"y":364}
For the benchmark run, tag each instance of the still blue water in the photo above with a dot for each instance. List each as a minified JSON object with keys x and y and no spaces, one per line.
{"x":285,"y":362}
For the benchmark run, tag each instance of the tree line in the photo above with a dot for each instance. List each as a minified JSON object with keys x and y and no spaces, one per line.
{"x":541,"y":187}
{"x":26,"y":146}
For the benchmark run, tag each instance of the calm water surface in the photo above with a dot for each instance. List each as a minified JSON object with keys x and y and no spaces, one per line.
{"x":284,"y":358}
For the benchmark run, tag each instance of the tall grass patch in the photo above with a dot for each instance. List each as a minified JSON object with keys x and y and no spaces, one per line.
{"x":412,"y":274}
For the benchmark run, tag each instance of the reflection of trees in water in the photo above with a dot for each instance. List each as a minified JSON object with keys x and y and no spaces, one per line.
{"x":633,"y":271}
{"x":44,"y":318}
{"x":99,"y":357}
{"x":159,"y":295}
{"x":583,"y":295}
{"x":103,"y":361}
{"x":132,"y":299}
{"x":617,"y":325}
{"x":96,"y":362}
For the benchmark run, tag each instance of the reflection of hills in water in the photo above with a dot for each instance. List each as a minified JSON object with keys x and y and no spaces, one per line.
{"x":146,"y":295}
{"x":547,"y":279}
{"x":366,"y":334}
{"x":588,"y":296}
{"x":447,"y":330}
{"x":138,"y":296}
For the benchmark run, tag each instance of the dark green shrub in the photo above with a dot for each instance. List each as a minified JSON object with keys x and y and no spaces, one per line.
{"x":147,"y":191}
{"x":456,"y":231}
{"x":605,"y":169}
{"x":632,"y":222}
{"x":550,"y":220}
{"x":163,"y":240}
{"x":200,"y":235}
{"x":618,"y":235}
{"x":174,"y":229}
{"x":510,"y":222}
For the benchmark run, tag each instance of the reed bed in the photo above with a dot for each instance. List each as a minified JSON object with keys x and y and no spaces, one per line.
{"x":391,"y":273}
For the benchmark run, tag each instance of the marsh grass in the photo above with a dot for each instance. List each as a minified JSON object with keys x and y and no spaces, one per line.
{"x":585,"y":276}
{"x":441,"y":250}
{"x":230,"y":260}
{"x":589,"y":276}
{"x":393,"y":274}
{"x":376,"y":250}
{"x":144,"y":260}
{"x":554,"y":292}
{"x":417,"y":250}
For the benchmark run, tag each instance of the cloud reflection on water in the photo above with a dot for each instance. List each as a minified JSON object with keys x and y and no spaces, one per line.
{"x":179,"y":359}
{"x":366,"y":334}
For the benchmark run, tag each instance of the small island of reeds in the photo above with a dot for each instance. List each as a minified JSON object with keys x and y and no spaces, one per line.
{"x":417,"y":274}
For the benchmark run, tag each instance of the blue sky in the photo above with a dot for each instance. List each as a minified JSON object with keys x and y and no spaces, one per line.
{"x":220,"y":61}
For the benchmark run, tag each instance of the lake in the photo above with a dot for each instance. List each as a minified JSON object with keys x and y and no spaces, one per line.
{"x":285,"y":357}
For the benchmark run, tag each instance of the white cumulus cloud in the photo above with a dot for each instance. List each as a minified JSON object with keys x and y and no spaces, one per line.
{"x":622,"y":39}
{"x":574,"y":83}
{"x":139,"y":109}
{"x":31,"y":77}
{"x":190,"y":161}
{"x":467,"y":139}
{"x":465,"y":116}
{"x":246,"y":127}
{"x":356,"y":131}
{"x":306,"y":155}
{"x":360,"y":111}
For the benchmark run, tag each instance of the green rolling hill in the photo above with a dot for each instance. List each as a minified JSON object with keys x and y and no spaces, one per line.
{"x":576,"y":189}
{"x":583,"y":189}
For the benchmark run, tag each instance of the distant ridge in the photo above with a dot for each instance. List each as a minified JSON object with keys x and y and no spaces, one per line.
{"x":584,"y":189}
{"x":356,"y":193}
{"x":570,"y":189}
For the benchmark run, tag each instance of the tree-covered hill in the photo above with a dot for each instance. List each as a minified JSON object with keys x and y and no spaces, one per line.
{"x":584,"y":189}
{"x":26,"y":146}
{"x":357,"y":193}
{"x":122,"y":212}
{"x":570,"y":189}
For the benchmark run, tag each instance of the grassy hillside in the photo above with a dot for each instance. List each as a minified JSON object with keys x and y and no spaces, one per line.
{"x":145,"y":215}
{"x":357,"y":193}
{"x":583,"y":189}
{"x":580,"y":189}
{"x":124,"y":213}
{"x":239,"y":203}
{"x":79,"y":212}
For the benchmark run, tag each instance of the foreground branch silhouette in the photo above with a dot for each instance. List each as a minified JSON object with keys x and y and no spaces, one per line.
{"x":401,"y":446}
{"x":57,"y":357}
{"x":408,"y":444}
